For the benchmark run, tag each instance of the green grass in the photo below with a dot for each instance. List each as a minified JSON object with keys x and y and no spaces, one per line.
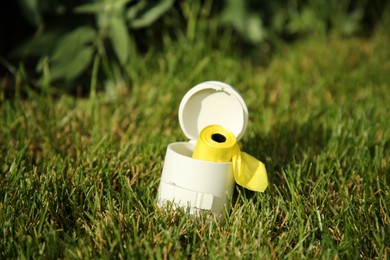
{"x":79,"y":177}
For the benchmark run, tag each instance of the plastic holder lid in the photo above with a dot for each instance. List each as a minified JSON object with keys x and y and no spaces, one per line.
{"x":212,"y":103}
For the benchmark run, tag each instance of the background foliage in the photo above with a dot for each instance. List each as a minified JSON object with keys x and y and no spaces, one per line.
{"x":66,"y":43}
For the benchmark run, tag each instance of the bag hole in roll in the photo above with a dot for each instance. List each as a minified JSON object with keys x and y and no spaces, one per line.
{"x":218,"y":138}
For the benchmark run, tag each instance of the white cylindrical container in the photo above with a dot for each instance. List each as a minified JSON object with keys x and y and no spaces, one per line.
{"x":195,"y":184}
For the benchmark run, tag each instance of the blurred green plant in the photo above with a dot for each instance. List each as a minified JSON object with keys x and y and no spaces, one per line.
{"x":74,"y":42}
{"x":72,"y":45}
{"x":257,"y":21}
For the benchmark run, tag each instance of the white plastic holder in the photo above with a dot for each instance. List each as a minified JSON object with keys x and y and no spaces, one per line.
{"x":193,"y":184}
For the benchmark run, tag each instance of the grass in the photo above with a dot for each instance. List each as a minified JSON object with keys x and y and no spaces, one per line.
{"x":79,"y":177}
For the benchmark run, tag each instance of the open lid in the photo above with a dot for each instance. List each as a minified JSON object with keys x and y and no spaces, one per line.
{"x":212,"y":103}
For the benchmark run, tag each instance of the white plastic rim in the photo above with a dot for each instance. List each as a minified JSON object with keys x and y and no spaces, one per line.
{"x":212,"y":103}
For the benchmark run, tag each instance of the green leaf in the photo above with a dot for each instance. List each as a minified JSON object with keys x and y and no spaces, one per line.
{"x":31,"y":11}
{"x":73,"y":54}
{"x":254,"y":31}
{"x":133,"y":11}
{"x":71,"y":43}
{"x":91,"y":8}
{"x":71,"y":68}
{"x":146,"y":12}
{"x":102,"y":6}
{"x":246,"y":22}
{"x":351,"y":22}
{"x":234,"y":13}
{"x":40,"y":45}
{"x":119,"y":38}
{"x":118,"y":5}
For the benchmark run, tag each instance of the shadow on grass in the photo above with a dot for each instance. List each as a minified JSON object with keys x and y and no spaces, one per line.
{"x":286,"y":144}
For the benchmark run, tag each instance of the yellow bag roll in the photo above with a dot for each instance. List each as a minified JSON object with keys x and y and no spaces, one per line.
{"x":218,"y":144}
{"x":215,"y":144}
